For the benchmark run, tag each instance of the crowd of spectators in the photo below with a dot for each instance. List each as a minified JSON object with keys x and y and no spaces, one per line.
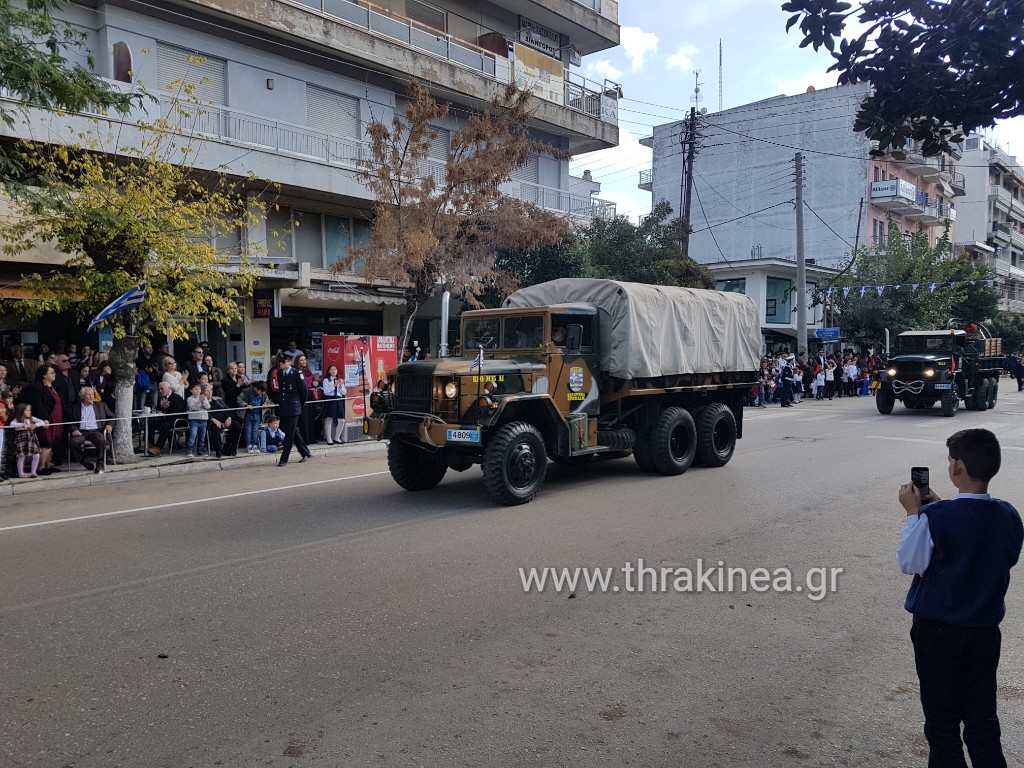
{"x":55,"y":401}
{"x":786,"y":378}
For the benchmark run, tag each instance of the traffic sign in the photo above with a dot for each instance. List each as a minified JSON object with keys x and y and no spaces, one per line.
{"x":826,"y":333}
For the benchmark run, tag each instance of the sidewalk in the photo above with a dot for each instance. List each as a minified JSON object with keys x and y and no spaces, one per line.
{"x":170,"y":466}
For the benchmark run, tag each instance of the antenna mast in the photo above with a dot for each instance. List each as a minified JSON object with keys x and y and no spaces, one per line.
{"x":719,"y":74}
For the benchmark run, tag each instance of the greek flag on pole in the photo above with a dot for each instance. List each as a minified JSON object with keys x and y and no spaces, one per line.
{"x":362,"y":364}
{"x":129,"y":300}
{"x":478,"y":361}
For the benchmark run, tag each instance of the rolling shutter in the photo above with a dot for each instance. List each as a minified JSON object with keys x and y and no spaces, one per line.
{"x":208,"y":77}
{"x":427,"y":14}
{"x":441,"y":145}
{"x":332,"y":112}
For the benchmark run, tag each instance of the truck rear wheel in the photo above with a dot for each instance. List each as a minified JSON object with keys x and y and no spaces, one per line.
{"x":993,"y":393}
{"x":716,"y":435}
{"x":642,"y":450}
{"x":981,"y":396}
{"x":950,"y":401}
{"x":515,"y":462}
{"x":885,"y":400}
{"x":414,"y":468}
{"x":673,"y":442}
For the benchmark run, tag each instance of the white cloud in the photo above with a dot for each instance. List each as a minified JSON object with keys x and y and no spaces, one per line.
{"x":637,"y":44}
{"x":604,"y":68}
{"x":683,"y":57}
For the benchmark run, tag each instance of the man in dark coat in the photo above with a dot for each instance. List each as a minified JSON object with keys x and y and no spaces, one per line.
{"x":172,"y":407}
{"x":290,"y":401}
{"x":195,"y":366}
{"x":21,"y":368}
{"x":66,"y":384}
{"x":90,"y":422}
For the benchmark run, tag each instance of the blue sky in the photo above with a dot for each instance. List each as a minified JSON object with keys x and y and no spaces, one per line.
{"x":664,"y":41}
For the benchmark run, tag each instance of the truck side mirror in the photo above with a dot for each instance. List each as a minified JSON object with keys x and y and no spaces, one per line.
{"x":575,"y":337}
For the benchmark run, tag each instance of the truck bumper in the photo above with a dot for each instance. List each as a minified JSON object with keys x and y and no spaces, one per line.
{"x":425,"y":428}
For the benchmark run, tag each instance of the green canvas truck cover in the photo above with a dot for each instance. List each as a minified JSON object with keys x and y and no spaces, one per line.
{"x":655,"y":330}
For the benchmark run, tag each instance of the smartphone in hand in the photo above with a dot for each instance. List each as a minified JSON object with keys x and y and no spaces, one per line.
{"x":919,"y":477}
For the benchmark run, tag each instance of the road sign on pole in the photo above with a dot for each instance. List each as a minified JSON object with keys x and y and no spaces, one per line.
{"x":826,"y":333}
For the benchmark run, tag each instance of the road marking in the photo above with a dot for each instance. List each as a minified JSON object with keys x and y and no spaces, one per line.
{"x":818,"y":418}
{"x":930,"y":442}
{"x":189,"y":501}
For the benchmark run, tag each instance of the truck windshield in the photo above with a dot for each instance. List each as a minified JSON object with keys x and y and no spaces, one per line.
{"x":482,"y":332}
{"x":524,"y":332}
{"x":925,"y":344}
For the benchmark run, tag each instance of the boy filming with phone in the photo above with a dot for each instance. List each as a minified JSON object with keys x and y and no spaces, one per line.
{"x":960,"y":552}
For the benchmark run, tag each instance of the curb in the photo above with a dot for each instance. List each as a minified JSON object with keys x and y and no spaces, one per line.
{"x":149,"y":471}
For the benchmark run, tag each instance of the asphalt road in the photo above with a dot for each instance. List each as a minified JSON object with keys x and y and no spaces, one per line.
{"x":319,"y":615}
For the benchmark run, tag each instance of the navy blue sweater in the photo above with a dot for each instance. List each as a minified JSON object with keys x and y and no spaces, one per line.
{"x":977,"y":542}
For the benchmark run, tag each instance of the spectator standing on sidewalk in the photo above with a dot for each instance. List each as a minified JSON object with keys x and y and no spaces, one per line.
{"x":198,"y":405}
{"x":334,"y":406}
{"x":256,"y":402}
{"x":960,"y":552}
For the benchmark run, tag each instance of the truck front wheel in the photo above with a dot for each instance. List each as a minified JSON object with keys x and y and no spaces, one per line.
{"x":415,"y":468}
{"x":716,"y":435}
{"x":515,"y":462}
{"x":673,"y":442}
{"x":950,"y":402}
{"x":885,"y":400}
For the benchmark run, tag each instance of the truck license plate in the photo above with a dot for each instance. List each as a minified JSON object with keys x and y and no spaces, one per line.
{"x":943,"y":386}
{"x":463,"y":435}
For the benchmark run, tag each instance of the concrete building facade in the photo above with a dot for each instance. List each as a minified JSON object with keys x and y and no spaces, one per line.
{"x":286,"y":90}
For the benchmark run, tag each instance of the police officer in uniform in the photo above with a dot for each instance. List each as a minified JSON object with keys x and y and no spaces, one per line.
{"x":290,"y":400}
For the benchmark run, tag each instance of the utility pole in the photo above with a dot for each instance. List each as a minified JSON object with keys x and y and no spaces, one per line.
{"x":691,"y":135}
{"x":801,"y":264}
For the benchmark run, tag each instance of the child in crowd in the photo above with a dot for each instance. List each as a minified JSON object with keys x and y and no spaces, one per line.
{"x":6,"y":414}
{"x":198,"y":414}
{"x":26,"y":444}
{"x":272,"y":438}
{"x":819,"y":384}
{"x":256,"y":402}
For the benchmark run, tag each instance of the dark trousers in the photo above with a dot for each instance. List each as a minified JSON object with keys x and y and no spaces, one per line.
{"x":787,"y":393}
{"x":289,"y":425}
{"x":224,"y":440}
{"x":94,"y":436}
{"x":957,"y":670}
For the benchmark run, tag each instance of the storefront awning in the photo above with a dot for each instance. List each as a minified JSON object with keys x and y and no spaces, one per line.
{"x":355,"y":296}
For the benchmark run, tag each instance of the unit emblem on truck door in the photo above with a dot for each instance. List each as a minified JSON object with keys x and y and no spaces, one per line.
{"x":575,"y":379}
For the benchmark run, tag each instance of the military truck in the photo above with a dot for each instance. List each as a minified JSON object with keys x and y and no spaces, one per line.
{"x":575,"y":370}
{"x":945,"y":367}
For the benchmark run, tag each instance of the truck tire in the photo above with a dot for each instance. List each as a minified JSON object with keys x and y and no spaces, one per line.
{"x":950,"y":401}
{"x":673,"y":442}
{"x":515,"y":462}
{"x":642,"y":450}
{"x":885,"y":400}
{"x":716,"y":435}
{"x":993,"y":393}
{"x":415,"y":468}
{"x":616,"y":439}
{"x":981,"y":396}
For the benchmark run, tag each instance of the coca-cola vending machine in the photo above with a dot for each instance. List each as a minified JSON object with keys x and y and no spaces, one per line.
{"x":362,"y":361}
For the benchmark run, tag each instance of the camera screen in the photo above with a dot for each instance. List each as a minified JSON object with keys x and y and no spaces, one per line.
{"x":919,"y":477}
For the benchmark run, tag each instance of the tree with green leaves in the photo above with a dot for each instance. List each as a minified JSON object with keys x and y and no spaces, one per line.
{"x":648,"y":253}
{"x":441,"y":225}
{"x":937,"y":68}
{"x":36,"y":50}
{"x":906,"y":269}
{"x":138,"y":215}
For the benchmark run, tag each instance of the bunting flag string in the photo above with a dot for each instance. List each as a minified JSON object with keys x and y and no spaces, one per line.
{"x":880,"y":289}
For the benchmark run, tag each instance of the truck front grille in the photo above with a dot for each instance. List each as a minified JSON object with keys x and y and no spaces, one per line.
{"x":414,"y":393}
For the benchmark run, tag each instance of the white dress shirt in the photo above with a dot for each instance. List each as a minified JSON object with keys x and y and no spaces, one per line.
{"x":88,"y":421}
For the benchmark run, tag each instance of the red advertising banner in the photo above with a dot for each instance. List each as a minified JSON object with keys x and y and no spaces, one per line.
{"x":379,"y":355}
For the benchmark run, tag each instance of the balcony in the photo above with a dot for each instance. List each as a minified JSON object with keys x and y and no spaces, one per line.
{"x":1000,"y":196}
{"x":896,"y":196}
{"x":595,"y":22}
{"x":221,"y":129}
{"x":919,"y":165}
{"x":1016,"y":306}
{"x":957,"y":184}
{"x":646,"y":180}
{"x":1006,"y":269}
{"x":360,"y":32}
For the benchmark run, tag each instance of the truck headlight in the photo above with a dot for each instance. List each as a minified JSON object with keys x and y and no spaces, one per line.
{"x":451,"y":390}
{"x":929,"y":372}
{"x":891,"y":371}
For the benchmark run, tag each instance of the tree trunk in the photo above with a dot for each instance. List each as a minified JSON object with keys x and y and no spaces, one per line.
{"x":122,"y":360}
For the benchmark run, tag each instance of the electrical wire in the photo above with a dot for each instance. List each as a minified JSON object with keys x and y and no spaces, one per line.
{"x":712,"y":231}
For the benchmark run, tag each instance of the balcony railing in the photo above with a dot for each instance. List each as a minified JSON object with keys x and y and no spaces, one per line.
{"x":646,"y":179}
{"x":581,"y":95}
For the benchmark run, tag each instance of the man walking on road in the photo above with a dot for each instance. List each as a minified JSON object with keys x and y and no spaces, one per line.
{"x":291,"y":399}
{"x":960,"y":552}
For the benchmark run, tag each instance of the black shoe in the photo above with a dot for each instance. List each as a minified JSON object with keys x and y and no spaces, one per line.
{"x":87,"y":464}
{"x":56,"y":469}
{"x":283,"y":463}
{"x":220,"y":455}
{"x":98,"y":470}
{"x":45,"y":471}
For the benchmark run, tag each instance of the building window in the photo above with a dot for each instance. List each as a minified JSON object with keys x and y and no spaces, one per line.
{"x":777,"y":302}
{"x":123,"y":70}
{"x":427,"y":14}
{"x":738,"y":285}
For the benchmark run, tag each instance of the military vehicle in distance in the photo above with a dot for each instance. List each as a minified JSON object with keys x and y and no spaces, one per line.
{"x":575,"y":370}
{"x":945,"y":367}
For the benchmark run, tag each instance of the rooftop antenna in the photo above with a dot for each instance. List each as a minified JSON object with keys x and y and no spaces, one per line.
{"x":719,"y":74}
{"x":695,"y":97}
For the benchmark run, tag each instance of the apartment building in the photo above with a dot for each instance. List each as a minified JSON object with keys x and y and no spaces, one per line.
{"x":991,"y":216}
{"x":744,"y":183}
{"x":288,"y":88}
